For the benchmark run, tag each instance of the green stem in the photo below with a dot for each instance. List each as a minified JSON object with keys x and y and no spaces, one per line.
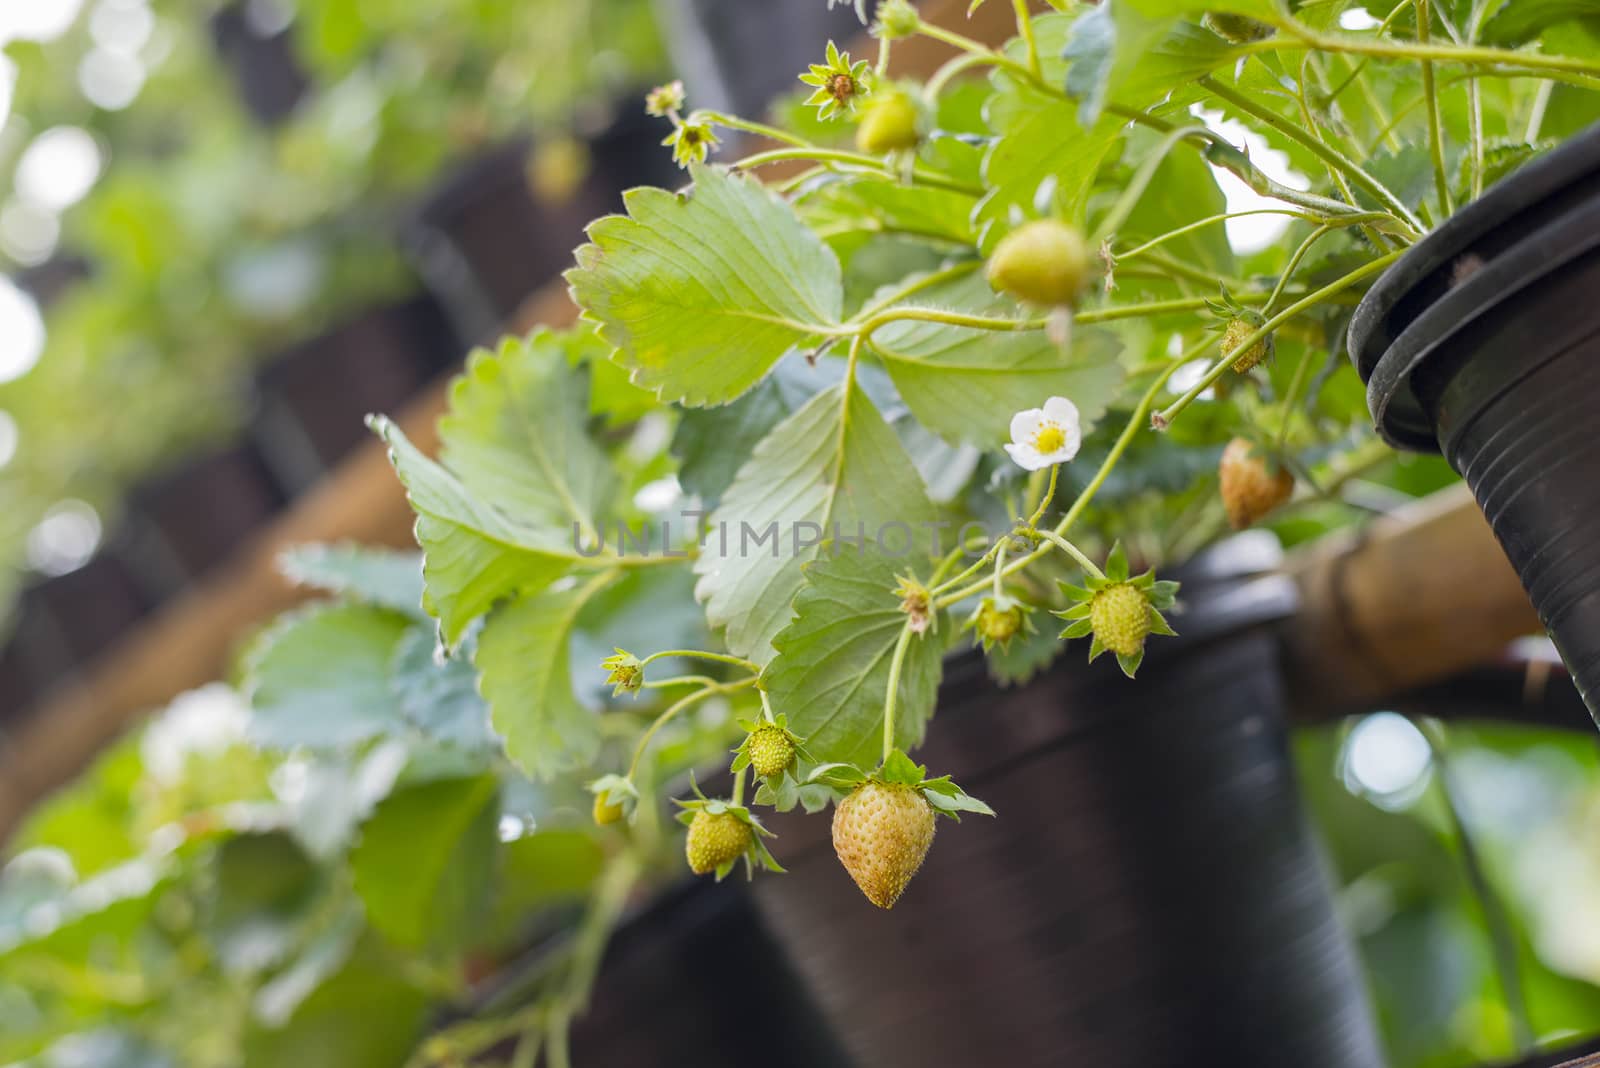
{"x":701,"y":654}
{"x":917,"y":285}
{"x":1430,"y":93}
{"x":919,"y":174}
{"x":1541,"y":102}
{"x":738,"y":787}
{"x":1498,"y":922}
{"x":1294,"y":263}
{"x":999,"y":570}
{"x":1164,"y":418}
{"x":977,"y":48}
{"x":1217,"y":150}
{"x":1025,"y":31}
{"x":892,"y":691}
{"x":1135,"y":189}
{"x":1049,"y":494}
{"x":761,"y":129}
{"x":1073,"y":551}
{"x":1297,"y":35}
{"x":1211,"y":220}
{"x":672,"y":711}
{"x":954,"y":66}
{"x":1331,"y":156}
{"x":1290,"y":398}
{"x":1135,"y":423}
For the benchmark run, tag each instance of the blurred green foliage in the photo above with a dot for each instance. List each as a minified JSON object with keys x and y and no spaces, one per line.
{"x":211,"y":240}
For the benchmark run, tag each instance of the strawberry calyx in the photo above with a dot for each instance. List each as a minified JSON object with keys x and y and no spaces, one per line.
{"x":1120,"y":611}
{"x":942,"y":793}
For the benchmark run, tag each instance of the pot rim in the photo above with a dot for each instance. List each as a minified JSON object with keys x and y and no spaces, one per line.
{"x":1386,"y":352}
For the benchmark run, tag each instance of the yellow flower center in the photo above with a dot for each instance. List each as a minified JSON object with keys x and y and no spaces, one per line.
{"x":1049,"y":437}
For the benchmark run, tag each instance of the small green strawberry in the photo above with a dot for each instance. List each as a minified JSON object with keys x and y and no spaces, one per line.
{"x":1044,"y":262}
{"x":771,"y":750}
{"x":605,"y":812}
{"x":1119,"y":611}
{"x":716,"y":839}
{"x":889,"y":123}
{"x":722,"y":833}
{"x":614,"y":799}
{"x":998,"y":620}
{"x":1234,"y":335}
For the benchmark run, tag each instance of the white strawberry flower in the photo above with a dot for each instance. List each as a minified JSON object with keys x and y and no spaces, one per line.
{"x":1043,"y":437}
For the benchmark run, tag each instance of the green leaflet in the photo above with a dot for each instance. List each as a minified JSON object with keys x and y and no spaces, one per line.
{"x":320,"y":677}
{"x":966,"y":384}
{"x":425,"y":863}
{"x":383,"y":577}
{"x":515,"y":433}
{"x":834,"y":469}
{"x":1039,"y":143}
{"x":523,"y":659}
{"x":832,"y":667}
{"x":700,"y":294}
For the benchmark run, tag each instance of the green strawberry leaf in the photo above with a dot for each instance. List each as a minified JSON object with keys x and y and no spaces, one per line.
{"x":1038,"y":143}
{"x":522,"y":479}
{"x":832,"y":470}
{"x":320,"y":677}
{"x":701,"y":293}
{"x":523,"y":659}
{"x":382,"y":577}
{"x":515,"y":433}
{"x":966,"y":384}
{"x":1124,"y":55}
{"x":440,"y":698}
{"x":425,"y":863}
{"x":832,"y":667}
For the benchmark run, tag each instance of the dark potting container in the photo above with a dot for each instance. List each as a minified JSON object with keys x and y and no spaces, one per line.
{"x":1151,"y":893}
{"x":261,"y":59}
{"x":65,"y":621}
{"x":16,"y":681}
{"x":697,"y":979}
{"x":737,"y":55}
{"x":486,"y":241}
{"x":313,"y":397}
{"x":1483,"y":342}
{"x":180,"y":524}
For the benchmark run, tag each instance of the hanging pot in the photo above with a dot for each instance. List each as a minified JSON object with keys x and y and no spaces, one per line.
{"x":1150,"y":894}
{"x":179,"y":524}
{"x":314,"y":397}
{"x":1483,"y":342}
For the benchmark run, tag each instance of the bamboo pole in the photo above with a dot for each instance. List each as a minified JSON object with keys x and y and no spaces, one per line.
{"x":1416,"y":596}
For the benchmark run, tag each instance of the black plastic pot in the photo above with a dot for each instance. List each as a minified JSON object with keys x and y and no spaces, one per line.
{"x":693,"y":977}
{"x":1151,"y":893}
{"x":16,"y":682}
{"x":314,"y":396}
{"x":697,"y":979}
{"x":1483,"y":342}
{"x":485,"y":241}
{"x":65,"y":621}
{"x":737,"y":55}
{"x":179,"y":525}
{"x":261,"y":59}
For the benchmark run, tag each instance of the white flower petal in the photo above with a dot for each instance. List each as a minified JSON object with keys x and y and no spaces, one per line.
{"x":1064,"y":412}
{"x":1025,"y":424}
{"x":1026,"y":456}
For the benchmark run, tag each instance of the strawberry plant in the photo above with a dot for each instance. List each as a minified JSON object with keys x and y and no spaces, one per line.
{"x":981,"y":346}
